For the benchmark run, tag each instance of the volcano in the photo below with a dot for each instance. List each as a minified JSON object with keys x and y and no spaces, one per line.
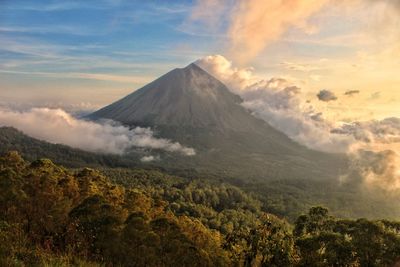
{"x":192,"y":107}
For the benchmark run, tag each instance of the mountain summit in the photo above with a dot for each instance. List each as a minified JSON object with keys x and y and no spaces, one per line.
{"x":186,"y":97}
{"x":192,"y":107}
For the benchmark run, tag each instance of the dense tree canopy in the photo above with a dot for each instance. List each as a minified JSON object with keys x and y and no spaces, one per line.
{"x":52,"y":216}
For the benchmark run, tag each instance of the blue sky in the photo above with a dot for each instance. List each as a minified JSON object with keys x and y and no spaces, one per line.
{"x":146,"y":30}
{"x":90,"y":53}
{"x":45,"y":43}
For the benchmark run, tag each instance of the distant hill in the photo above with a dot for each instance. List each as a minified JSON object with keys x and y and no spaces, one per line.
{"x":31,"y":149}
{"x":192,"y":107}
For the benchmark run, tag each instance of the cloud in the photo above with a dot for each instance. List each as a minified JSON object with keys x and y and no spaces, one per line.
{"x":326,"y":96}
{"x":236,"y":79}
{"x":77,"y":110}
{"x":249,"y":26}
{"x":58,"y":6}
{"x":379,"y":169}
{"x":352,"y":92}
{"x":396,"y":4}
{"x":375,"y":95}
{"x":253,"y":24}
{"x":57,"y":126}
{"x":282,"y":104}
{"x":257,"y":23}
{"x":315,"y":77}
{"x":279,"y":102}
{"x":375,"y":153}
{"x":148,"y":158}
{"x":45,"y":30}
{"x":88,"y":76}
{"x":296,"y":66}
{"x":386,"y":131}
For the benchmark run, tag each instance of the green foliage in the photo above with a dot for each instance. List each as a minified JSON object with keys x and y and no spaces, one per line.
{"x":51,"y":216}
{"x":217,"y":205}
{"x":270,"y":243}
{"x":326,"y":241}
{"x":54,"y":217}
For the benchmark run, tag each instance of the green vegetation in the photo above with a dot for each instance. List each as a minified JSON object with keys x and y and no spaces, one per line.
{"x":284,"y":196}
{"x":51,"y":216}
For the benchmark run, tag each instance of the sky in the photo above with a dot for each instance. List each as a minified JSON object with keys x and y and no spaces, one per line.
{"x":86,"y":54}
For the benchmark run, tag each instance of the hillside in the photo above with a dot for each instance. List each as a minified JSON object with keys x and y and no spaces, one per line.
{"x":31,"y":149}
{"x":284,"y":197}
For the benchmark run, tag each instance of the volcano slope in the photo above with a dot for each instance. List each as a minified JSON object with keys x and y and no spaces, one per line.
{"x":192,"y":107}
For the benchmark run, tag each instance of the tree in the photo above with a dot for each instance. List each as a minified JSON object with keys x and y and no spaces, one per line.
{"x":270,"y":243}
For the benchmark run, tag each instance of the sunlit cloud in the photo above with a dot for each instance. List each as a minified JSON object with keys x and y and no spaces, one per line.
{"x":254,"y":24}
{"x":283,"y":105}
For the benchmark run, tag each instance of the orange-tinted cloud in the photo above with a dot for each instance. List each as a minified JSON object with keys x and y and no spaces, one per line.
{"x":253,"y":24}
{"x":257,"y":23}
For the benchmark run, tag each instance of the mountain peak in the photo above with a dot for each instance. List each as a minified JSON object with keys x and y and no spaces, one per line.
{"x":186,"y":96}
{"x":196,"y":74}
{"x":192,"y":67}
{"x":194,"y":78}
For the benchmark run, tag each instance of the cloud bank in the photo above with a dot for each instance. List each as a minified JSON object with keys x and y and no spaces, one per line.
{"x":58,"y":126}
{"x":376,"y":152}
{"x":280,"y":103}
{"x":386,"y":131}
{"x":379,"y":169}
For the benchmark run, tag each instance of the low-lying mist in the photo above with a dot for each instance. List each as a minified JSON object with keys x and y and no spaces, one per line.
{"x":58,"y":126}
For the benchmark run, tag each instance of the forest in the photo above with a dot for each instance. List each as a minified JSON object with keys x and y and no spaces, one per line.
{"x":54,"y":216}
{"x":284,"y":196}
